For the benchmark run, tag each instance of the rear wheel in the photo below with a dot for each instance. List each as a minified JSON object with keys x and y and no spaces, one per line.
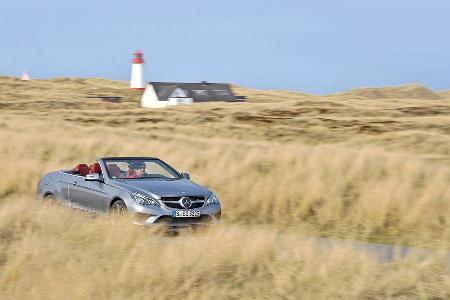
{"x":49,"y":200}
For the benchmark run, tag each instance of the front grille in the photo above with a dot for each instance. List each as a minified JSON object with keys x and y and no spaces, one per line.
{"x":172,"y":202}
{"x":177,"y":205}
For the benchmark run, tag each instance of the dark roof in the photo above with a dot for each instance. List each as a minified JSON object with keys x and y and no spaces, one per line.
{"x":199,"y":92}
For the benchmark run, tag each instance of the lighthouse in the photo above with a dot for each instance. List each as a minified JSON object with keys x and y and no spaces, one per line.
{"x":25,"y":75}
{"x":137,"y":71}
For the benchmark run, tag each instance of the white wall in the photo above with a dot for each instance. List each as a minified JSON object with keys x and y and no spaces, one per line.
{"x":176,"y":101}
{"x":149,"y":99}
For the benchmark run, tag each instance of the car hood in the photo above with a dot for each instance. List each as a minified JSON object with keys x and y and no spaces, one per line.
{"x":163,"y":188}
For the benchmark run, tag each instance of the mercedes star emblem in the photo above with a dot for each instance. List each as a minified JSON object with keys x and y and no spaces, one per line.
{"x":185,"y":202}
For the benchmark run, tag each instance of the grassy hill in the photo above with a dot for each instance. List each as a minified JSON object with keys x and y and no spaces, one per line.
{"x":407,"y":91}
{"x":445,"y":94}
{"x":368,"y":164}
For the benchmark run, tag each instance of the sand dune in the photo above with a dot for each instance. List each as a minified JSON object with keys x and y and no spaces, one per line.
{"x":407,"y":91}
{"x":413,"y":131}
{"x":369,"y":165}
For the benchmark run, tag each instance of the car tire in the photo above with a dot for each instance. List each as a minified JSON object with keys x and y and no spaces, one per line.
{"x":50,"y":200}
{"x":118,"y":208}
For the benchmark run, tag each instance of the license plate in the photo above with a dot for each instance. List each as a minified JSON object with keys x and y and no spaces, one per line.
{"x":185,"y":213}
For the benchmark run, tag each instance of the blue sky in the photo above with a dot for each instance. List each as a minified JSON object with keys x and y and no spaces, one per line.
{"x":312,"y":46}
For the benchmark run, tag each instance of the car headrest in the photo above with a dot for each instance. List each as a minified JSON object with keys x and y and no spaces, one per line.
{"x":95,"y":168}
{"x":114,"y":170}
{"x":82,"y":169}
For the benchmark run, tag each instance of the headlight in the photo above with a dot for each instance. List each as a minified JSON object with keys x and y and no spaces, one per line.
{"x":144,"y":200}
{"x":212,"y":199}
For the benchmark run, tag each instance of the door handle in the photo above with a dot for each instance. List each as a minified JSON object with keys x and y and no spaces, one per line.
{"x":74,"y":183}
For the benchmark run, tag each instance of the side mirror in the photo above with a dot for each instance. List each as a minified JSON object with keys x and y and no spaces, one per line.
{"x":93,"y":177}
{"x":185,"y":175}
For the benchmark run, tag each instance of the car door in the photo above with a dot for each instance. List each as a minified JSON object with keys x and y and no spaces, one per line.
{"x":73,"y":192}
{"x":91,"y":195}
{"x":64,"y":183}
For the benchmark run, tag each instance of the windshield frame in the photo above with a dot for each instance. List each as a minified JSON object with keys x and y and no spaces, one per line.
{"x":176,"y":174}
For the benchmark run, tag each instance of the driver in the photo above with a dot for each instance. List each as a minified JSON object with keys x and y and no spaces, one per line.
{"x":136,"y":170}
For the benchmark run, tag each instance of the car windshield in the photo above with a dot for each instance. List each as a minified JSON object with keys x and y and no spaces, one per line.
{"x":140,"y":168}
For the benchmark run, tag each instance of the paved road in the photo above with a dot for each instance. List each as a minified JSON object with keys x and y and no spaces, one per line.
{"x":381,"y":252}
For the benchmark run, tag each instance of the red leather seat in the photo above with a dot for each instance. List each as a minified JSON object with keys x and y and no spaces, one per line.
{"x":132,"y":174}
{"x":95,"y":168}
{"x":81,"y":169}
{"x":114,"y":171}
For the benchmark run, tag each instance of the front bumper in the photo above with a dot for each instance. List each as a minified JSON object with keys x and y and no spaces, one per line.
{"x":162,"y":216}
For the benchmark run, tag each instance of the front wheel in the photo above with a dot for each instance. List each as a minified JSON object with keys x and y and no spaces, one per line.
{"x":118,"y":208}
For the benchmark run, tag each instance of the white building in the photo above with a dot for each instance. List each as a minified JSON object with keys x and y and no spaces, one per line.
{"x":163,"y":94}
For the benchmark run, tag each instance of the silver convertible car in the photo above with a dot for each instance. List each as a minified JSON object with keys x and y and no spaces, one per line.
{"x":146,"y":188}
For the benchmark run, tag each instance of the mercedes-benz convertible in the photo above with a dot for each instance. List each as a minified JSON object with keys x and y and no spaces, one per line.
{"x":146,"y":188}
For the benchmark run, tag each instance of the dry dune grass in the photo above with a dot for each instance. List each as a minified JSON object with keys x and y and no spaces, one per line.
{"x":283,"y":165}
{"x":55,"y":254}
{"x":63,"y":93}
{"x":270,"y":96}
{"x":368,"y":192}
{"x":418,"y":126}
